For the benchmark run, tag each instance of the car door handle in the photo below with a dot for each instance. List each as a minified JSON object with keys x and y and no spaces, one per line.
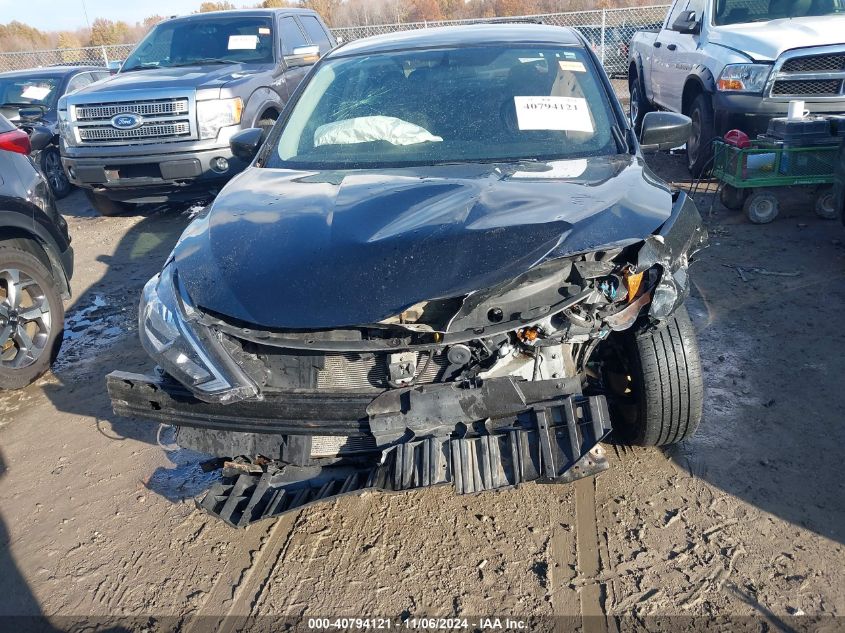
{"x":657,"y":45}
{"x":672,"y":47}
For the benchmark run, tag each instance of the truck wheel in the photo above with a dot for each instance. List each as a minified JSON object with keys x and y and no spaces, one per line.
{"x":51,"y":165}
{"x":700,"y":143}
{"x":639,"y":105}
{"x":654,"y":379}
{"x":826,"y":204}
{"x":761,"y":207}
{"x":733,"y":198}
{"x":105,"y":205}
{"x":267,"y":124}
{"x":31,"y":318}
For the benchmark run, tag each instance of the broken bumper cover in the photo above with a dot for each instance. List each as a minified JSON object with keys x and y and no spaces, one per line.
{"x":502,"y":434}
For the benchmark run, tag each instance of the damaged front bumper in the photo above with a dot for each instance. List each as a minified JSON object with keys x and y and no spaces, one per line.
{"x":499,"y":434}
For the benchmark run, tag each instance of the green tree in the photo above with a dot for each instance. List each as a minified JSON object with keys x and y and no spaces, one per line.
{"x":277,"y":4}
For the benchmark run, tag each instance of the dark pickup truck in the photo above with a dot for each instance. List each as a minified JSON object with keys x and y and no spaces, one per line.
{"x":159,"y":129}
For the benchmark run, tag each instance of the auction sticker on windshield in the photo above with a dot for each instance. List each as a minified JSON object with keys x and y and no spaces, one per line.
{"x":243,"y":42}
{"x":36,"y":93}
{"x":553,"y":113}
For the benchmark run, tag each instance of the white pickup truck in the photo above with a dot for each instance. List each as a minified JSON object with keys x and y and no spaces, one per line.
{"x":738,"y":63}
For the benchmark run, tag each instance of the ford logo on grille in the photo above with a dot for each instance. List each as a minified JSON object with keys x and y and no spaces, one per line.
{"x":126,"y":121}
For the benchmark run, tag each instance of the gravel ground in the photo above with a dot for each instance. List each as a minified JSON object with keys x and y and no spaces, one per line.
{"x":746,"y":519}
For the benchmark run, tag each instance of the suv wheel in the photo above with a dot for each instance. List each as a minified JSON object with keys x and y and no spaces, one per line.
{"x":54,"y":172}
{"x":105,"y":205}
{"x":653,"y":381}
{"x":31,"y":318}
{"x":700,"y":142}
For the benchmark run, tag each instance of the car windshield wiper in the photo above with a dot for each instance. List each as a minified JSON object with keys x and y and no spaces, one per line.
{"x":23,"y":104}
{"x":143,"y":66}
{"x":206,"y":60}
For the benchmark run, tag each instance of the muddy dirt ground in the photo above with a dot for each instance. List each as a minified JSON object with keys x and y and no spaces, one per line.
{"x":747,"y":519}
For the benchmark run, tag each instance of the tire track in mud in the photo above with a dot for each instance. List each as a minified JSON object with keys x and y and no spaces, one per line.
{"x":589,"y":563}
{"x":230,"y":600}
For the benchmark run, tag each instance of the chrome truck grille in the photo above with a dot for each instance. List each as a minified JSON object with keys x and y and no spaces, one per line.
{"x":815,"y":74}
{"x":168,"y":119}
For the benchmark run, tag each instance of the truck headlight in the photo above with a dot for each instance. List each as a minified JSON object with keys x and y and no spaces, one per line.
{"x":217,"y":113}
{"x":744,"y":77}
{"x":187,"y":351}
{"x":65,"y":130}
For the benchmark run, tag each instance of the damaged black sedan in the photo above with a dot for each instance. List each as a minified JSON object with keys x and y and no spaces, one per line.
{"x":447,"y":264}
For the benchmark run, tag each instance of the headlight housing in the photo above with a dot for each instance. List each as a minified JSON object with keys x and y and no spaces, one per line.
{"x":744,"y":77}
{"x":217,"y":113}
{"x":65,"y":130}
{"x":187,"y":351}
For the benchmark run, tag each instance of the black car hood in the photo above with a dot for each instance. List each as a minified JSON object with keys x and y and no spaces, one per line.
{"x":308,"y":250}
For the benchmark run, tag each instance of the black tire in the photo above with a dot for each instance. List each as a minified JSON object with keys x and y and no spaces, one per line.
{"x":825,"y":206}
{"x":43,"y":345}
{"x":266,"y":124}
{"x":639,"y":105}
{"x":733,"y":198}
{"x":54,"y":172}
{"x":105,"y":205}
{"x":761,"y":207}
{"x":700,"y":142}
{"x":663,"y":399}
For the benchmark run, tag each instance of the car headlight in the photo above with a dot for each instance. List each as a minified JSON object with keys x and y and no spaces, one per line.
{"x":744,"y":77}
{"x":187,"y":351}
{"x":217,"y":113}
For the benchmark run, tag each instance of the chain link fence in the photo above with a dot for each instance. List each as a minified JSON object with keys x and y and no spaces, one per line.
{"x":88,"y":56}
{"x":608,"y":32}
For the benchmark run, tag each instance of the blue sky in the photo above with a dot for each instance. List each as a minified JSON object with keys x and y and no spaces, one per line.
{"x":56,"y":15}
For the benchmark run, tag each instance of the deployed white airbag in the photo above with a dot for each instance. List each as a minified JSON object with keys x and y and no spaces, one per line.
{"x":366,"y":129}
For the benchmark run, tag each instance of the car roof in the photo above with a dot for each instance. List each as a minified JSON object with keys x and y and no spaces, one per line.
{"x":243,"y":13}
{"x":49,"y":71}
{"x":463,"y":36}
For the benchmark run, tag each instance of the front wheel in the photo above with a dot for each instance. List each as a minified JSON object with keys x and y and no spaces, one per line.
{"x":31,"y":318}
{"x":700,"y":142}
{"x":654,"y":383}
{"x":54,"y":172}
{"x":732,"y":197}
{"x":639,"y":105}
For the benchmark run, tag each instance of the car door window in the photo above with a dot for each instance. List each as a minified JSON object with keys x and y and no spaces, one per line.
{"x":292,"y":36}
{"x":79,"y":81}
{"x":316,"y":32}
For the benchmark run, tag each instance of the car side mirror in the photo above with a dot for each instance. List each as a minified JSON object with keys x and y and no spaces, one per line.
{"x":30,"y":115}
{"x":664,"y":130}
{"x":246,"y":143}
{"x":40,"y":137}
{"x":303,"y":56}
{"x":687,"y":22}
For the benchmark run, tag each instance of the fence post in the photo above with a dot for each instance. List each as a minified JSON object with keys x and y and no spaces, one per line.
{"x":603,"y":24}
{"x":105,"y":56}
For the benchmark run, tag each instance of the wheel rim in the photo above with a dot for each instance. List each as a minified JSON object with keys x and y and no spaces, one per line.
{"x":634,"y":107}
{"x":695,"y":135}
{"x":763,"y":209}
{"x":54,"y":171}
{"x":24,"y":319}
{"x":827,"y":206}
